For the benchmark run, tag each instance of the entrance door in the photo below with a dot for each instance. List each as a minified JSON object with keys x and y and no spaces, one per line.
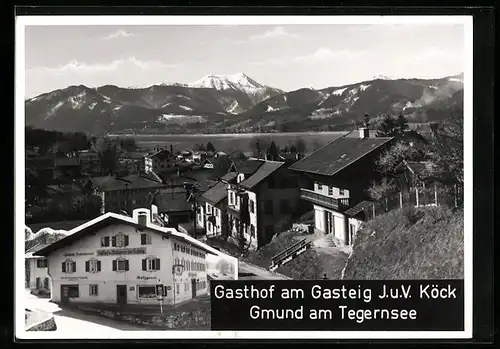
{"x":193,"y":288}
{"x":329,"y":223}
{"x":64,"y":294}
{"x":121,"y":294}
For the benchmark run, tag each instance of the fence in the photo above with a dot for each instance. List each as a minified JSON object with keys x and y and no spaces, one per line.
{"x":450,"y":196}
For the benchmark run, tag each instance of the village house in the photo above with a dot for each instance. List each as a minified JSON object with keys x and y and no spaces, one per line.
{"x":124,"y":193}
{"x":126,"y":260}
{"x":341,"y":171}
{"x":134,"y":161}
{"x":173,"y":206}
{"x":158,"y":161}
{"x":263,"y":200}
{"x":212,"y":215}
{"x":37,"y":277}
{"x":90,"y":162}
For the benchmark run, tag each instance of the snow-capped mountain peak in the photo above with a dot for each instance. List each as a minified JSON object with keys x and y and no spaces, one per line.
{"x":238,"y":81}
{"x":243,"y":80}
{"x":382,"y":77}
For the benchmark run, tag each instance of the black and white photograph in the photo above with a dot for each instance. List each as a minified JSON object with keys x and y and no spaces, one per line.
{"x":164,"y":153}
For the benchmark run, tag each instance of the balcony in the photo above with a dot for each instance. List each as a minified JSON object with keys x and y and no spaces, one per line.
{"x":233,"y":211}
{"x":323,"y":200}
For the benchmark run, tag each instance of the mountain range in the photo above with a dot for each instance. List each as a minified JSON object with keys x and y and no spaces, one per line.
{"x":237,"y":103}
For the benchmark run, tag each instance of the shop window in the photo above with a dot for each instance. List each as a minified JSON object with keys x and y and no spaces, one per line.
{"x":147,"y":291}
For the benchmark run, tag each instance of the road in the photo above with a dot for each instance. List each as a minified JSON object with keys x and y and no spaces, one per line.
{"x":71,"y":321}
{"x":248,"y":271}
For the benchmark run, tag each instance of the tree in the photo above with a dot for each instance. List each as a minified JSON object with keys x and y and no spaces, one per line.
{"x":109,"y":152}
{"x":392,"y":157}
{"x":300,"y":146}
{"x":200,"y":146}
{"x":210,"y":147}
{"x":366,"y":120}
{"x":387,"y":127}
{"x":401,"y":124}
{"x":273,"y":151}
{"x":128,"y":144}
{"x":380,"y":191}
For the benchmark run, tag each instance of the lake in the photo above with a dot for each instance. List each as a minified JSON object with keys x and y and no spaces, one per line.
{"x":230,"y":142}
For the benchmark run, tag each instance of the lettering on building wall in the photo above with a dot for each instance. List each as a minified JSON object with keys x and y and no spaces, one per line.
{"x":70,"y":254}
{"x":193,"y":275}
{"x":121,"y":251}
{"x":73,"y":278}
{"x":146,"y":277}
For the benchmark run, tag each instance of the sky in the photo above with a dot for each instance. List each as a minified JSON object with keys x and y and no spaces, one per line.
{"x":288,"y":57}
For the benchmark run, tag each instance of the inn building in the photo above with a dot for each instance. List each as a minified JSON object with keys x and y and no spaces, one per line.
{"x":121,"y":259}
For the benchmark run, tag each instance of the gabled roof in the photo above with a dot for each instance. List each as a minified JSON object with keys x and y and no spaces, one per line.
{"x":215,"y":194}
{"x":264,"y":171}
{"x":112,"y":218}
{"x":229,"y":176}
{"x":248,"y":166}
{"x":170,"y":201}
{"x":109,"y":183}
{"x":337,"y":155}
{"x":160,"y":154}
{"x":353,"y":211}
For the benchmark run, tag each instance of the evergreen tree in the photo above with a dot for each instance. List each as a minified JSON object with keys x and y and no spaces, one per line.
{"x":210,"y":147}
{"x":402,"y":124}
{"x":387,"y":127}
{"x":273,"y":151}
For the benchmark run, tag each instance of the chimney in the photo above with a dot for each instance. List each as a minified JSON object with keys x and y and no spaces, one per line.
{"x":364,"y":132}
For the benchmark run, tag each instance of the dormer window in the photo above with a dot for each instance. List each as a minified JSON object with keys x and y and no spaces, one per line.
{"x":142,"y":219}
{"x":120,"y":240}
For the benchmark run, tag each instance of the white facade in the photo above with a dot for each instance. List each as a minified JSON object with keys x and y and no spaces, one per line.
{"x":213,"y":228}
{"x":38,"y":277}
{"x":123,"y":263}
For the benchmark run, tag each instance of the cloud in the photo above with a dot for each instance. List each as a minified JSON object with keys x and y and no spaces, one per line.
{"x":75,"y":66}
{"x":120,"y":33}
{"x":274,"y":33}
{"x":321,"y":55}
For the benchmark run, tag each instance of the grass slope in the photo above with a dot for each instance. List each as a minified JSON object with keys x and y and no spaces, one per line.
{"x":425,"y":243}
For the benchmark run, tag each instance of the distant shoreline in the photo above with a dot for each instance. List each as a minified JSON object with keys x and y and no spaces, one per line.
{"x":223,"y":134}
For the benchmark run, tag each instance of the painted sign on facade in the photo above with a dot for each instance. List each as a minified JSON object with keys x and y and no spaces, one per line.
{"x":74,"y":278}
{"x":121,"y":251}
{"x":146,"y":277}
{"x":70,"y":254}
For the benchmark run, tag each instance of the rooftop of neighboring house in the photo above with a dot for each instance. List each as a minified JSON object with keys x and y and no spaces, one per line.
{"x":30,"y":252}
{"x":246,"y":167}
{"x":263,"y":172}
{"x":215,"y":194}
{"x":109,"y":219}
{"x":133,"y":155}
{"x":415,"y":167}
{"x":171,"y":200}
{"x":66,"y":161}
{"x":160,"y":154}
{"x":230,"y":176}
{"x":339,"y":154}
{"x":109,"y":183}
{"x":72,"y":188}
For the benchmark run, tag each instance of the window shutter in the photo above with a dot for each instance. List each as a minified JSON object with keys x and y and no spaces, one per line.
{"x":126,"y":240}
{"x":113,"y":241}
{"x":143,"y":239}
{"x":98,"y":265}
{"x":87,"y":266}
{"x":114,"y":265}
{"x":144,"y":264}
{"x":74,"y":267}
{"x":126,"y":265}
{"x":63,"y":267}
{"x":157,"y":263}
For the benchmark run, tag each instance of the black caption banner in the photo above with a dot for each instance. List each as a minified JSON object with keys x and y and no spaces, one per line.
{"x":406,"y":305}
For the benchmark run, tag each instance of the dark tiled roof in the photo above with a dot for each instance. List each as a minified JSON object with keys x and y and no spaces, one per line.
{"x":216,"y":194}
{"x":161,"y":154}
{"x":133,"y":155}
{"x":358,"y":208}
{"x":338,"y":154}
{"x":121,"y":183}
{"x":248,"y":166}
{"x":169,"y":200}
{"x":264,"y":171}
{"x":229,"y":176}
{"x":65,"y":188}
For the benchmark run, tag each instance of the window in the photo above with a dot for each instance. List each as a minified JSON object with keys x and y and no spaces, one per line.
{"x":252,"y":206}
{"x":177,"y":261}
{"x":320,"y":187}
{"x":285,"y":207}
{"x":252,"y":230}
{"x":177,"y":288}
{"x":209,"y":209}
{"x":231,"y":198}
{"x":42,"y":263}
{"x":119,"y":240}
{"x":46,"y":283}
{"x":93,"y":290}
{"x":69,"y":266}
{"x":341,"y":192}
{"x":120,"y":265}
{"x":150,"y":264}
{"x":268,"y":206}
{"x":105,"y":241}
{"x":92,"y":266}
{"x":38,"y":283}
{"x":145,"y":239}
{"x":73,"y":291}
{"x":330,"y":191}
{"x":146,"y":291}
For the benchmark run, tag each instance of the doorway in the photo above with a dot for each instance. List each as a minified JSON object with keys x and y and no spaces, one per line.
{"x":329,"y":223}
{"x":64,"y":294}
{"x":193,"y":288}
{"x":121,"y":294}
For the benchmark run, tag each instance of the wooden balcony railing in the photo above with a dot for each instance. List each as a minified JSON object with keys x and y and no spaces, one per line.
{"x":323,"y":200}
